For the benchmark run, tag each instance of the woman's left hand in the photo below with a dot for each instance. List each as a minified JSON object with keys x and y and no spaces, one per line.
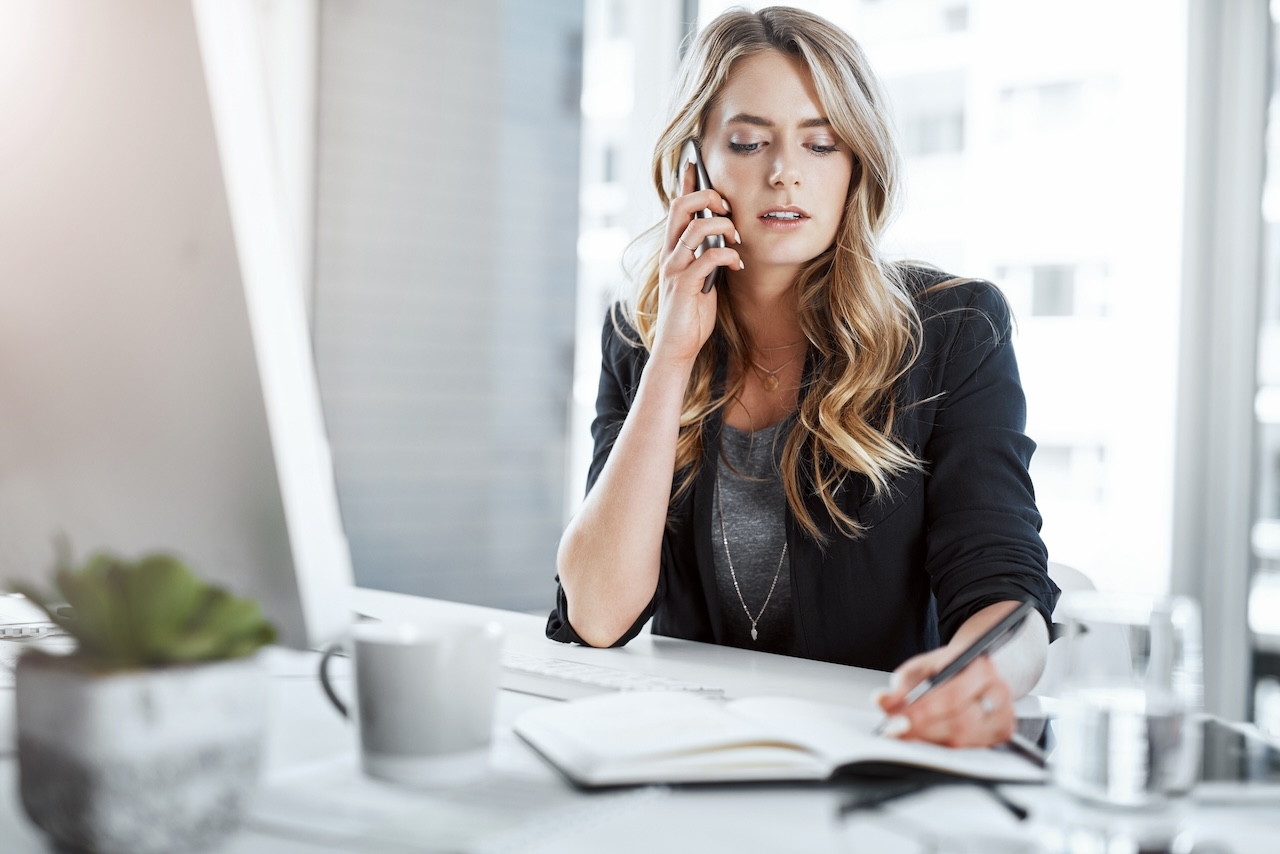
{"x":972,"y":709}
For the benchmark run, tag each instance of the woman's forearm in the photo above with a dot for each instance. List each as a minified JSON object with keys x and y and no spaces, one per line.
{"x":611,"y":550}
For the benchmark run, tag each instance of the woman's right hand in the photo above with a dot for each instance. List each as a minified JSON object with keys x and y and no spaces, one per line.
{"x":610,"y":556}
{"x":686,"y":316}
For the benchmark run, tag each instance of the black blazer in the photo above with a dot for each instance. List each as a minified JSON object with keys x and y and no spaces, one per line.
{"x":944,"y":544}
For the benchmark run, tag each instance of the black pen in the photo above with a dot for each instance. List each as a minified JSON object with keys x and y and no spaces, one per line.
{"x":991,"y":640}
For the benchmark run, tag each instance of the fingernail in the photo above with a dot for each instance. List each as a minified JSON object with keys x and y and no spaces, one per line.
{"x":726,"y":203}
{"x":742,"y":265}
{"x":736,"y":238}
{"x":896,"y":725}
{"x":895,"y":681}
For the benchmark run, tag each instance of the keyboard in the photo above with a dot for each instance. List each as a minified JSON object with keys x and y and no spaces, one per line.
{"x":20,"y":631}
{"x":19,"y":618}
{"x":559,"y":679}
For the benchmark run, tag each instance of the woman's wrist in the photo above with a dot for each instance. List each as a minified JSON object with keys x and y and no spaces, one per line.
{"x":664,"y":367}
{"x":1021,"y":661}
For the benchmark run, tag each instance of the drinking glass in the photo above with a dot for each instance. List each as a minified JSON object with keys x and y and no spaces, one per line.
{"x":1127,"y":732}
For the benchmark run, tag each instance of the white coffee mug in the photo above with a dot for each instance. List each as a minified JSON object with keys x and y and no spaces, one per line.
{"x":425,"y":696}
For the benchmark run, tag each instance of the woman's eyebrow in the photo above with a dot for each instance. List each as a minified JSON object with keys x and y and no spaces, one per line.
{"x":748,"y":119}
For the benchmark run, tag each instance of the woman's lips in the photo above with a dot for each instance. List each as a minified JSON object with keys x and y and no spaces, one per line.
{"x":783,"y":224}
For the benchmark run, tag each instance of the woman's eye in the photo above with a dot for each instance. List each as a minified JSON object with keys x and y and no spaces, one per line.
{"x":824,"y":149}
{"x":743,"y":147}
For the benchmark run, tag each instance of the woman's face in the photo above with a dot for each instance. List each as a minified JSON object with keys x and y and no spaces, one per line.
{"x":770,"y":150}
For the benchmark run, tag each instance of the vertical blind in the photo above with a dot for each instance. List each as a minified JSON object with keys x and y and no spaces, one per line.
{"x":446,"y":228}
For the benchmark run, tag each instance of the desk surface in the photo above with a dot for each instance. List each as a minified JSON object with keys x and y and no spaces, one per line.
{"x":313,"y":799}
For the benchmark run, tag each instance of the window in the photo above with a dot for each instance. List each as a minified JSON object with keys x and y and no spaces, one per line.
{"x":929,"y":109}
{"x":955,"y":18}
{"x":627,"y":79}
{"x":938,"y":133}
{"x":1264,"y":594}
{"x":1039,"y":109}
{"x":609,"y":173}
{"x":1053,"y":290}
{"x":1074,"y":472}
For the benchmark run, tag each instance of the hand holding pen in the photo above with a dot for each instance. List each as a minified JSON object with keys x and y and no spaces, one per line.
{"x":957,"y":700}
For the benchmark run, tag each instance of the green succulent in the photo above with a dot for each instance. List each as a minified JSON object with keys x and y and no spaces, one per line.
{"x":152,"y":612}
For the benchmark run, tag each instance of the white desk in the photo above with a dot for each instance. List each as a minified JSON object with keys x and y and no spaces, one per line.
{"x":313,"y":800}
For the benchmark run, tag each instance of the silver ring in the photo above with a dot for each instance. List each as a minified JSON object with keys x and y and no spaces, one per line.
{"x":687,"y":246}
{"x":988,"y":707}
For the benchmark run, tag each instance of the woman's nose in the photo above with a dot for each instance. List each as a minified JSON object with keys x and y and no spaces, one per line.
{"x":786,"y":171}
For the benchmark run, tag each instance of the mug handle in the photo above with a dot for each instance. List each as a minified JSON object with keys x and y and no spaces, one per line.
{"x":332,"y":650}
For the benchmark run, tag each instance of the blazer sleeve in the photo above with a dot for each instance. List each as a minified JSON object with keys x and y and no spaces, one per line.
{"x":621,"y":364}
{"x":983,"y":529}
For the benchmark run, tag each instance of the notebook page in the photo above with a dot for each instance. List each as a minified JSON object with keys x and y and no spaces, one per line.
{"x":844,"y":736}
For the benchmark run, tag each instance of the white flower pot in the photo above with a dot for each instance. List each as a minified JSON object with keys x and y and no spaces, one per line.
{"x":139,"y":762}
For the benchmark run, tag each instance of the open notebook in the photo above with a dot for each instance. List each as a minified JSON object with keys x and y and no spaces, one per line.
{"x":635,"y":738}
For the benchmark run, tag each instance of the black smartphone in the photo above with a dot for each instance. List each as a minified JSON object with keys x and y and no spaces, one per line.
{"x":691,"y":156}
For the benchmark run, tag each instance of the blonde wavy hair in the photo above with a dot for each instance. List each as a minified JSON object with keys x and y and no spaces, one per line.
{"x":855,"y":308}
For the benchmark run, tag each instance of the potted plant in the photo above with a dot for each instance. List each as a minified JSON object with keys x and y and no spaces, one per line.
{"x":147,"y":737}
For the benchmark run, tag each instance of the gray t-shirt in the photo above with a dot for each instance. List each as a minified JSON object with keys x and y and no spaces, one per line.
{"x":749,"y":487}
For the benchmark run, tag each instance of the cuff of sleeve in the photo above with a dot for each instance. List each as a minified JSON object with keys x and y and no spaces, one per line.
{"x":559,"y":628}
{"x":1003,"y":589}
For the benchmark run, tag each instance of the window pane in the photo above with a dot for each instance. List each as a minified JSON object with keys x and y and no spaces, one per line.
{"x":1053,"y":290}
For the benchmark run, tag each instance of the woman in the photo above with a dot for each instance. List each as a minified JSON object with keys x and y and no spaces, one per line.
{"x":823,"y":456}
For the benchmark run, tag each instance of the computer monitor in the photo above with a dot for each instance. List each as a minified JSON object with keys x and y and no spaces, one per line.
{"x":157,"y":390}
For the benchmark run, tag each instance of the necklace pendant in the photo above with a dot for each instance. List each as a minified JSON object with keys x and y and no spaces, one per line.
{"x":770,"y":383}
{"x":754,"y":633}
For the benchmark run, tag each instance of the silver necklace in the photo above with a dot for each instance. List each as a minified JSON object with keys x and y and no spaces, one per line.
{"x":724,"y":537}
